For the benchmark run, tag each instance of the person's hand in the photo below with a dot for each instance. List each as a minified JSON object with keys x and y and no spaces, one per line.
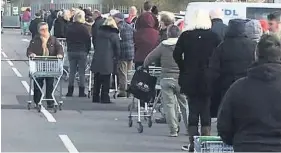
{"x":59,"y":56}
{"x":32,"y":55}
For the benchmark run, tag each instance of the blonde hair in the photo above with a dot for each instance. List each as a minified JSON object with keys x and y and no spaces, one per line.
{"x":167,"y":18}
{"x":66,"y":15}
{"x":110,"y":22}
{"x":200,"y":19}
{"x":79,"y":16}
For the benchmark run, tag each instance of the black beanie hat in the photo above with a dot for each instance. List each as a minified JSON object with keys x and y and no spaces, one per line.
{"x":269,"y":48}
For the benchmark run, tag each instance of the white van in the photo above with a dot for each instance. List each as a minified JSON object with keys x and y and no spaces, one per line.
{"x":234,"y":10}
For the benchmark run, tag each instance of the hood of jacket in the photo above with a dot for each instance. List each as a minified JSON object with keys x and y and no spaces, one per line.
{"x":253,"y":30}
{"x":170,"y":41}
{"x":265,"y":71}
{"x":236,"y":28}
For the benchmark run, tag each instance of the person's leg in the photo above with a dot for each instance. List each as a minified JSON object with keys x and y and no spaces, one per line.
{"x":37,"y":93}
{"x":72,"y":71}
{"x":97,"y":88}
{"x":169,"y":104}
{"x":81,"y":70}
{"x":122,"y":75}
{"x":49,"y":89}
{"x":182,"y":101}
{"x":205,"y":116}
{"x":105,"y":81}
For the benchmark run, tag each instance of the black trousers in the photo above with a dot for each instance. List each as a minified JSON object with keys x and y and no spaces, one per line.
{"x":49,"y":88}
{"x":199,"y":107}
{"x":101,"y":87}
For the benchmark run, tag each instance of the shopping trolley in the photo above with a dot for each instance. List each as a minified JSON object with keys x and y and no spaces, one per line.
{"x":210,"y":144}
{"x":65,"y":61}
{"x":146,"y":111}
{"x":46,"y":66}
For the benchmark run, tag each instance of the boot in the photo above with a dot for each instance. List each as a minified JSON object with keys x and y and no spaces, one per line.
{"x":70,"y":91}
{"x":193,"y":131}
{"x":205,"y":130}
{"x":105,"y":99}
{"x":82,"y":92}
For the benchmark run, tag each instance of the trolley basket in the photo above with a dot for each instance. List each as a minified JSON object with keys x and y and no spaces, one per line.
{"x":210,"y":144}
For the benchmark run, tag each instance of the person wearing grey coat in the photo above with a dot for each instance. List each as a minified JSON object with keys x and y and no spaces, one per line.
{"x":170,"y":88}
{"x":253,"y":30}
{"x":107,"y":50}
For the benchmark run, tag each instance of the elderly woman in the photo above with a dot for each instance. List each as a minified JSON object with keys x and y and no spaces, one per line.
{"x":61,"y":24}
{"x":78,"y":46}
{"x":170,"y":88}
{"x":107,"y":50}
{"x":193,"y":50}
{"x":44,"y":45}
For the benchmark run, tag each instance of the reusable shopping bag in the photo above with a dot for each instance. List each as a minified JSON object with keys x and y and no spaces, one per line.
{"x":142,"y":85}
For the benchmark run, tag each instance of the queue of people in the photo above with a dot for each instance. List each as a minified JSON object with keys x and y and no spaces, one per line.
{"x":230,"y":72}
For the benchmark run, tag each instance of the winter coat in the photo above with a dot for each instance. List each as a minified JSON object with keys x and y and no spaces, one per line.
{"x":26,"y":17}
{"x":50,"y":19}
{"x":78,"y":38}
{"x":60,"y":27}
{"x":33,"y":27}
{"x":196,"y":46}
{"x":53,"y":45}
{"x":146,"y":36}
{"x":219,"y":28}
{"x":95,"y":28}
{"x":232,"y":58}
{"x":163,"y":34}
{"x":107,"y":50}
{"x":132,"y":21}
{"x":127,"y":41}
{"x":253,"y":30}
{"x":164,"y":53}
{"x":250,"y":115}
{"x":89,"y":27}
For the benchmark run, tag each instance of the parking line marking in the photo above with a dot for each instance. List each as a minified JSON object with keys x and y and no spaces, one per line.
{"x":10,"y":63}
{"x":68,"y":144}
{"x":4,"y":54}
{"x":26,"y":86}
{"x":17,"y":72}
{"x":46,"y":113}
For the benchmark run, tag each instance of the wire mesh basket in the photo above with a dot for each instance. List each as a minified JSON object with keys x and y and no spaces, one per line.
{"x":210,"y":144}
{"x":45,"y":66}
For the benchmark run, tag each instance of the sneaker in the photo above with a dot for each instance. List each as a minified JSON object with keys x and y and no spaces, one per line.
{"x":160,"y":120}
{"x":185,"y":148}
{"x":174,"y":135}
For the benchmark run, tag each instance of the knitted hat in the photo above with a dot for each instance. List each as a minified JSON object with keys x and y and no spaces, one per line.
{"x":253,"y":30}
{"x":269,"y":48}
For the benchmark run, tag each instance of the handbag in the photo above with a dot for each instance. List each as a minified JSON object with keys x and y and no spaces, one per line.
{"x":142,"y":85}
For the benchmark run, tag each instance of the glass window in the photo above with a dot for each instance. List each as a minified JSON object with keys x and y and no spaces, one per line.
{"x":260,"y":13}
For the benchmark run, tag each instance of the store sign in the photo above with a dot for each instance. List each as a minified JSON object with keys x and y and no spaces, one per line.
{"x":15,"y":10}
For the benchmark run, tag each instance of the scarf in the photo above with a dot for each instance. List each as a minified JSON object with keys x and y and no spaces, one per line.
{"x":44,"y":45}
{"x":130,"y":19}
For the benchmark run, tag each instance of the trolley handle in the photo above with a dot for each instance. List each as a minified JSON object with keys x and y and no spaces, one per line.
{"x":44,"y":58}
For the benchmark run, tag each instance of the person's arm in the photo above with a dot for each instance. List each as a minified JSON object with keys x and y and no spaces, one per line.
{"x":215,"y":64}
{"x":94,"y":33}
{"x":59,"y":48}
{"x":29,"y":50}
{"x":153,"y":56}
{"x":87,"y":39}
{"x":225,"y":125}
{"x":178,"y":53}
{"x":116,"y":46}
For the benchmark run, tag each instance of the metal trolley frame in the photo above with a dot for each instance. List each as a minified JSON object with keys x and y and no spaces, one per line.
{"x":65,"y":62}
{"x":46,"y":66}
{"x":146,"y":112}
{"x":210,"y":146}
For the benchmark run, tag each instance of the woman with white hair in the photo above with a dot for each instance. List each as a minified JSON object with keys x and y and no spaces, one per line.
{"x":61,"y":24}
{"x":78,"y":46}
{"x":192,"y":52}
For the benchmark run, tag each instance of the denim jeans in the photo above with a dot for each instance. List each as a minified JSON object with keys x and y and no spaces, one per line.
{"x":172,"y":99}
{"x":77,"y":60}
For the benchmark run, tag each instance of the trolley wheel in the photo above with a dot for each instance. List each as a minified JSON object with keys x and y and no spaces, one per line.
{"x":149,"y":122}
{"x":140,"y":128}
{"x":55,"y":108}
{"x":130,"y":122}
{"x":179,"y":117}
{"x":60,"y":106}
{"x":39,"y":108}
{"x":28,"y":106}
{"x":178,"y":129}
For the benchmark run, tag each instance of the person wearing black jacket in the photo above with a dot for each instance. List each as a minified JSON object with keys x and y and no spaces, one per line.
{"x":97,"y":24}
{"x":61,"y":24}
{"x":78,"y":46}
{"x":107,"y":51}
{"x":33,"y":27}
{"x":230,"y":60}
{"x":250,"y":115}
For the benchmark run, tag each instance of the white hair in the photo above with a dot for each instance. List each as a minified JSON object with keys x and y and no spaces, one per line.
{"x":200,"y":19}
